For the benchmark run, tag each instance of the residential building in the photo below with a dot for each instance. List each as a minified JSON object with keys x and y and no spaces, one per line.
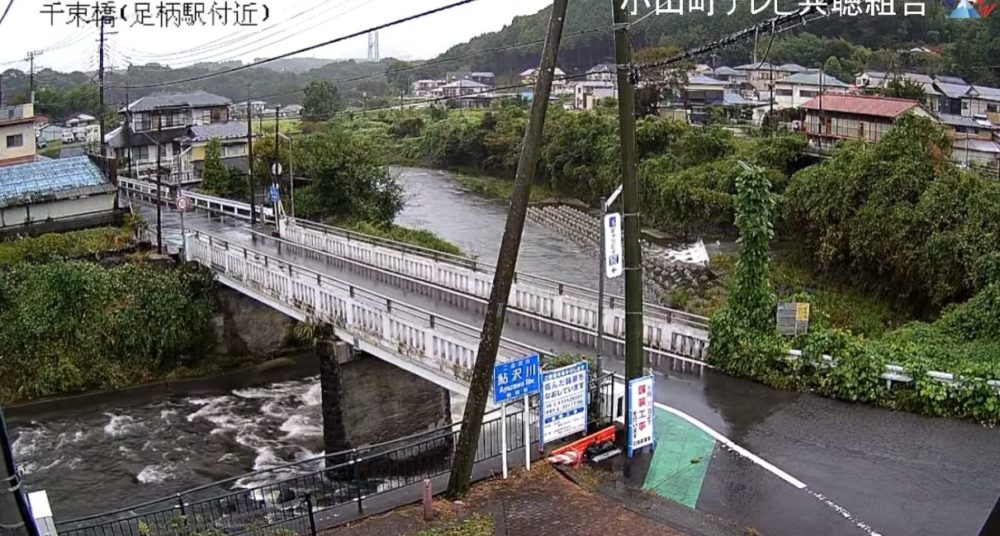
{"x":788,"y":69}
{"x":485,"y":78}
{"x":952,"y":97}
{"x":700,"y":91}
{"x":55,"y":196}
{"x":976,"y":152}
{"x":239,"y":109}
{"x":961,"y":127}
{"x":463,"y":87}
{"x":425,"y":88}
{"x":177,"y":115}
{"x":602,"y":72}
{"x":292,"y":110}
{"x":982,"y":101}
{"x":49,"y":132}
{"x":728,"y":74}
{"x":588,"y":93}
{"x":795,"y":90}
{"x":81,"y":120}
{"x":761,"y":74}
{"x":830,"y":118}
{"x":529,"y":76}
{"x":17,"y":134}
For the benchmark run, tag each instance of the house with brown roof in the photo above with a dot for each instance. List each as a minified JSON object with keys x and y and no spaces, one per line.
{"x":831,"y":118}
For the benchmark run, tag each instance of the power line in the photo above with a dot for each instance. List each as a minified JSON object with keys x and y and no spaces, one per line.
{"x":312,"y":47}
{"x":206,"y":55}
{"x":6,"y":10}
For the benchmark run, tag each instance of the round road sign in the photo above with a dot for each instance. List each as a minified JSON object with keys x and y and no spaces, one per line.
{"x":276,"y":169}
{"x":182,"y":203}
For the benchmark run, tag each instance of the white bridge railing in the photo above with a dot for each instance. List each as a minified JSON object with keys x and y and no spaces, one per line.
{"x":427,"y":344}
{"x":666,"y":329}
{"x":146,"y":191}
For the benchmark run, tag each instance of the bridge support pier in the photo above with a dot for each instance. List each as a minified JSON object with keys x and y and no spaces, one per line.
{"x":368,"y":401}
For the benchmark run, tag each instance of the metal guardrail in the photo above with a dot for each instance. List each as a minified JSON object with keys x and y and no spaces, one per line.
{"x":894,"y":373}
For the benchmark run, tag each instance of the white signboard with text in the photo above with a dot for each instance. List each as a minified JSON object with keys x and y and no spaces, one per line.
{"x":563,"y":409}
{"x":640,"y":433}
{"x":614,"y":262}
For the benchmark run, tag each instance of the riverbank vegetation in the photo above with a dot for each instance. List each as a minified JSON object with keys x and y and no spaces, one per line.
{"x":72,"y":245}
{"x":963,"y":341}
{"x":349,"y":184}
{"x":70,"y":326}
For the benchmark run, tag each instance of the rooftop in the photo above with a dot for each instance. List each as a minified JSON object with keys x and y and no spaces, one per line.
{"x":812,"y":79}
{"x":464,"y":82}
{"x":602,"y":68}
{"x":22,"y":113}
{"x":222,"y":131}
{"x":953,"y":91}
{"x":194,"y":99}
{"x":961,"y":121}
{"x":791,"y":68}
{"x":726,"y":71}
{"x":861,"y":105}
{"x":702,"y":80}
{"x":51,"y":179}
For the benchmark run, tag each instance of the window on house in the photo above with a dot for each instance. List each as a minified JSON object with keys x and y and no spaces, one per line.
{"x":992,"y":108}
{"x":15,"y":140}
{"x":141,"y":154}
{"x":805,"y":93}
{"x":144,"y":122}
{"x":218,"y":115}
{"x":965,"y":105}
{"x":783,"y":92}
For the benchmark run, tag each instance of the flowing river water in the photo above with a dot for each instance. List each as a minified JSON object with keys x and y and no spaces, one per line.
{"x":93,"y":461}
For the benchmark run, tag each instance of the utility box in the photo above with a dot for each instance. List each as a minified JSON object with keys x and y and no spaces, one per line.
{"x":42,"y":512}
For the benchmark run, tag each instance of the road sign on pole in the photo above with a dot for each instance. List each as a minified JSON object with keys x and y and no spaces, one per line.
{"x":183,"y":203}
{"x":640,"y":433}
{"x":515,"y":379}
{"x":274,"y":193}
{"x":563,"y":408}
{"x":276,"y":169}
{"x":614,"y":262}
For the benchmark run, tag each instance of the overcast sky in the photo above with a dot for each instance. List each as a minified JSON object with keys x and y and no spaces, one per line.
{"x":292,"y":24}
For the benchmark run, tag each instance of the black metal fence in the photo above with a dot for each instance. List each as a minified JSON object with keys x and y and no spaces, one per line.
{"x":298,"y":504}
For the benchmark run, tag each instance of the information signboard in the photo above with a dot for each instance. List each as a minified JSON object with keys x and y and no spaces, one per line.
{"x":563,"y":408}
{"x":640,"y":433}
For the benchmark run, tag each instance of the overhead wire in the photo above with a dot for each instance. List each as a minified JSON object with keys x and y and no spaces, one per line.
{"x":379,"y":27}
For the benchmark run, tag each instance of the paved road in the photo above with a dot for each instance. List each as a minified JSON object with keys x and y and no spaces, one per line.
{"x":895,"y":472}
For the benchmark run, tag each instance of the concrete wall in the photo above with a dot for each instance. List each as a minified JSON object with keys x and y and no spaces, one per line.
{"x":56,"y":210}
{"x":368,"y":401}
{"x":244,"y":326}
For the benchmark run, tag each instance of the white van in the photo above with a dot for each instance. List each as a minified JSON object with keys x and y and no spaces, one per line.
{"x":67,"y":136}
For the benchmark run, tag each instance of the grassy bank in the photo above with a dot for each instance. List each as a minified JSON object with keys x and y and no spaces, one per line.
{"x":416,"y":237}
{"x":495,"y":188}
{"x":71,"y":245}
{"x":835,"y":304}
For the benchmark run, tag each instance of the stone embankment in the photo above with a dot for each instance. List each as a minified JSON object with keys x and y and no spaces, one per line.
{"x":665,"y":269}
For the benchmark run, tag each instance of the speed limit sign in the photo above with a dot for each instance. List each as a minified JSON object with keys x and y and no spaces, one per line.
{"x":182,"y":203}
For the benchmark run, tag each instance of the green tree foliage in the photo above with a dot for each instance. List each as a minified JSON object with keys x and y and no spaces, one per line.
{"x":744,"y":341}
{"x":898,"y":216}
{"x":70,"y":326}
{"x":321,"y":101}
{"x":904,"y":89}
{"x":219,"y":180}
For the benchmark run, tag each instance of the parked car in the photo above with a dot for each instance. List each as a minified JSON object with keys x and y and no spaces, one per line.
{"x":68,"y":137}
{"x":40,"y":143}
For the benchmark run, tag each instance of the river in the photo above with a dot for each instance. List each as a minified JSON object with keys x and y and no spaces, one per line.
{"x":92,"y":461}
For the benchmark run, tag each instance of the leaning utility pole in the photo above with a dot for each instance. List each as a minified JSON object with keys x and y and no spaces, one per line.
{"x":253,"y":210}
{"x":100,"y":78}
{"x":486,"y":355}
{"x":630,"y":205}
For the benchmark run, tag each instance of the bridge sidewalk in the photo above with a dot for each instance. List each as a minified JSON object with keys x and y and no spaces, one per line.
{"x":537,"y":502}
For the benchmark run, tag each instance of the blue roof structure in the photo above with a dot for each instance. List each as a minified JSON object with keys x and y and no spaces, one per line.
{"x":52,"y":179}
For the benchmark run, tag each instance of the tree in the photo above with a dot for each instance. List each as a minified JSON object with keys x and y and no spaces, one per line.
{"x":904,"y":88}
{"x":216,"y":178}
{"x":321,"y":102}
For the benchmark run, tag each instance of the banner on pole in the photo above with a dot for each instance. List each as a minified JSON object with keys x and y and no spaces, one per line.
{"x":640,"y":432}
{"x":563,"y":408}
{"x":614,"y":263}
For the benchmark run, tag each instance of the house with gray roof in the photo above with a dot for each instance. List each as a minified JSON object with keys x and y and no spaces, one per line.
{"x":176,"y":127}
{"x":795,"y":90}
{"x":55,"y":195}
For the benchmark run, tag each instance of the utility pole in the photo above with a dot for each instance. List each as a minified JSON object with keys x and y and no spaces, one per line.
{"x":253,"y":210}
{"x":31,"y":73}
{"x":128,"y":132}
{"x":100,"y":77}
{"x":489,"y":342}
{"x":159,"y":185}
{"x":277,"y":151}
{"x":630,"y":205}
